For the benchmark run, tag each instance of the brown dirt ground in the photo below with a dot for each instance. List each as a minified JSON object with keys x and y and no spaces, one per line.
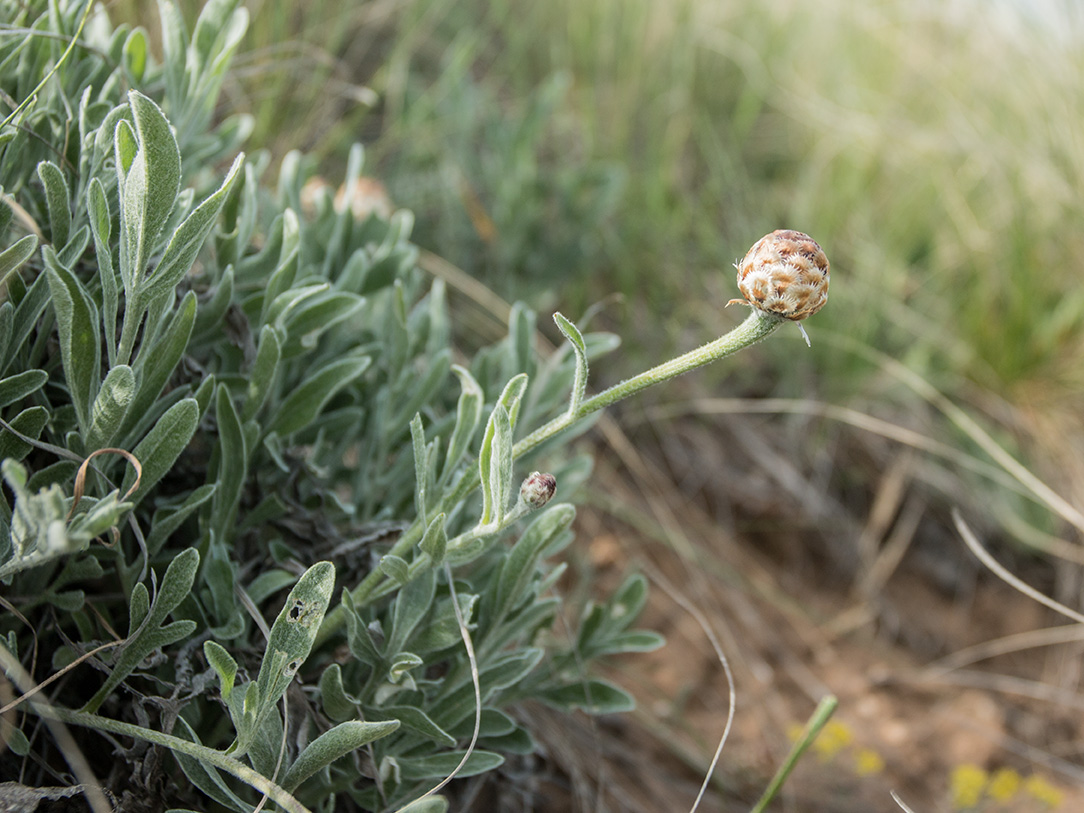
{"x":813,"y":586}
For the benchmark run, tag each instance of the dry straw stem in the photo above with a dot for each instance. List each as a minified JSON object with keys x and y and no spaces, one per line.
{"x":92,"y":788}
{"x":464,"y":631}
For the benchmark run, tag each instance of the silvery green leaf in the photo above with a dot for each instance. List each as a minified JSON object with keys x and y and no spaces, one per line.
{"x":169,"y":518}
{"x":441,"y":630}
{"x":17,"y":741}
{"x":27,"y":313}
{"x":512,"y":397}
{"x":157,"y":360}
{"x":219,"y":30}
{"x":311,"y":319}
{"x":159,"y":450}
{"x":268,"y":583}
{"x":593,"y":696}
{"x":261,"y":377}
{"x":77,"y":324}
{"x":329,"y":746}
{"x":440,"y":765}
{"x":421,"y":468}
{"x":412,"y":604}
{"x":435,"y":540}
{"x":17,"y":387}
{"x":426,"y":389}
{"x":56,"y":203}
{"x":493,"y":723}
{"x":238,"y":219}
{"x":395,"y":568}
{"x":69,"y":254}
{"x":495,"y":466}
{"x":135,"y":54}
{"x":16,"y":254}
{"x":430,"y":804}
{"x":174,"y":36}
{"x":212,"y":312}
{"x":290,"y":641}
{"x":224,"y":665}
{"x":402,"y":664}
{"x":111,"y":406}
{"x":186,"y":241}
{"x":338,"y":704}
{"x":308,"y":399}
{"x":284,"y":240}
{"x":101,"y":228}
{"x":150,"y":185}
{"x":579,"y":383}
{"x":28,"y":423}
{"x":499,"y":672}
{"x":521,"y":332}
{"x":232,"y":464}
{"x":519,"y":565}
{"x":417,"y":721}
{"x":206,"y":777}
{"x":151,"y":634}
{"x":38,"y":531}
{"x":284,"y":304}
{"x":358,"y":635}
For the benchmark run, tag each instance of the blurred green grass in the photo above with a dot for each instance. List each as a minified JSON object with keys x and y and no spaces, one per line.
{"x":567,"y":151}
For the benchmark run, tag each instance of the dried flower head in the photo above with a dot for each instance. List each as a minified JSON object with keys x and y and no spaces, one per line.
{"x":538,"y":489}
{"x":784,"y":274}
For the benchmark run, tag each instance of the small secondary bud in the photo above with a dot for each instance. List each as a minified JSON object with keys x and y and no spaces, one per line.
{"x":538,"y":489}
{"x":784,"y":274}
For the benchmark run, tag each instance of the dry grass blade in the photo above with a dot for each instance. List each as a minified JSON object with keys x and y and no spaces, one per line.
{"x":1051,"y":636}
{"x":59,"y":673}
{"x":81,"y":476}
{"x":896,"y":798}
{"x":92,"y":788}
{"x":475,"y":680}
{"x":984,"y":556}
{"x":732,"y":698}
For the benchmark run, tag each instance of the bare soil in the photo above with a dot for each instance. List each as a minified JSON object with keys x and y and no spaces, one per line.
{"x":816,"y":580}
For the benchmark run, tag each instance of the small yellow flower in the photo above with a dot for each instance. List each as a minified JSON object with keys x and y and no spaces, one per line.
{"x":1004,"y":784}
{"x":834,"y":737}
{"x":1039,"y":788}
{"x":868,"y":762}
{"x":967,"y":783}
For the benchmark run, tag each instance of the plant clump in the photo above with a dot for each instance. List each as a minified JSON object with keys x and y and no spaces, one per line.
{"x":260,"y":520}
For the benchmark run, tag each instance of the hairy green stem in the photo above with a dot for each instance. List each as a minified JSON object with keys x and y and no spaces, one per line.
{"x":758,"y":325}
{"x":201,"y":752}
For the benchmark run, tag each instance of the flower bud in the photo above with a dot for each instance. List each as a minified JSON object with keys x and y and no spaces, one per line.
{"x":538,"y":489}
{"x":784,"y":274}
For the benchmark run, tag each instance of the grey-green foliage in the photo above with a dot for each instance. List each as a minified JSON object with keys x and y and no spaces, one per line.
{"x":282,"y":373}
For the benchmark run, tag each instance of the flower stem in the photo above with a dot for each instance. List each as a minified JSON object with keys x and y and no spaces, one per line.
{"x":758,"y":325}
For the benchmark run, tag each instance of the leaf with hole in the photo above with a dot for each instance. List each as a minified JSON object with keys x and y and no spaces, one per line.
{"x":288,"y":645}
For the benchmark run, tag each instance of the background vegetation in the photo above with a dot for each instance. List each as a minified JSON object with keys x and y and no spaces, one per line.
{"x":621,"y":154}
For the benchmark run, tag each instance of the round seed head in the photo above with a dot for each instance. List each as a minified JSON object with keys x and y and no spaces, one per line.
{"x":785,"y":274}
{"x":538,"y":489}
